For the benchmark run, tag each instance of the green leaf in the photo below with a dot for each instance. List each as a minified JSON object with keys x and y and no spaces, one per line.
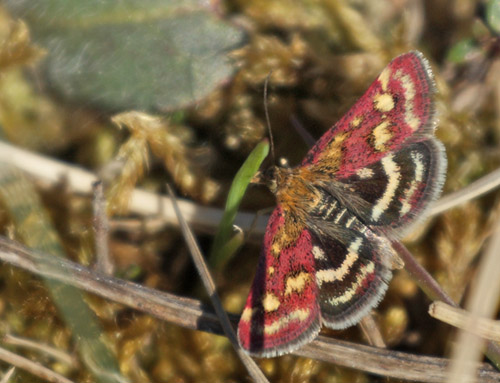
{"x":229,"y":249}
{"x":458,"y":52}
{"x":219,"y":254}
{"x":493,"y":15}
{"x":150,"y":55}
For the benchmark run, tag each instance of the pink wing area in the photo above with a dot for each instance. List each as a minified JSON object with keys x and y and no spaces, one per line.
{"x":282,"y":310}
{"x":396,"y":107}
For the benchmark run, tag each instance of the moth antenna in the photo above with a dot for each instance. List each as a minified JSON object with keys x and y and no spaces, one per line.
{"x":268,"y":122}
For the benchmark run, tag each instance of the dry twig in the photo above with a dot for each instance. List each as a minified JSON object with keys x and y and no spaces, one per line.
{"x":483,"y":327}
{"x":32,"y":367}
{"x":50,"y":173}
{"x":79,"y":181}
{"x":8,"y":375}
{"x":482,"y":302}
{"x":476,"y":189}
{"x":206,"y":219}
{"x":434,"y":291}
{"x":101,"y":230}
{"x":372,"y":332}
{"x":192,"y":314}
{"x":45,"y":349}
{"x":209,"y":284}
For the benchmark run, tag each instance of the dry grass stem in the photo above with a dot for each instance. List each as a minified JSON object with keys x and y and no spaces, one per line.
{"x":425,"y":281}
{"x":101,"y":231}
{"x":32,"y":367}
{"x":482,"y":327}
{"x":50,"y":172}
{"x":383,"y":362}
{"x":192,"y":314}
{"x":482,"y":302}
{"x":45,"y":349}
{"x":372,"y":332}
{"x":434,"y":291}
{"x":303,"y":132}
{"x":96,"y":278}
{"x":144,"y":203}
{"x":209,"y":284}
{"x":8,"y":375}
{"x":476,"y":189}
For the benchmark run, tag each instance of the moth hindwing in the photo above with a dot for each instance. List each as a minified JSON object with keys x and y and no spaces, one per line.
{"x":327,"y":255}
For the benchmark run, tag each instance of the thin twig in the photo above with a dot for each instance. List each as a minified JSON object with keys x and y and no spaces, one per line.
{"x":484,"y":327}
{"x":476,"y":189}
{"x":206,"y":219}
{"x":192,"y":314}
{"x":268,"y":121}
{"x":209,"y":284}
{"x":104,"y":263}
{"x":303,"y":132}
{"x":32,"y":367}
{"x":388,"y":363}
{"x":45,"y":349}
{"x":200,"y":218}
{"x":424,"y":280}
{"x":8,"y":375}
{"x":482,"y":302}
{"x":434,"y":291}
{"x":372,"y":332}
{"x":50,"y":173}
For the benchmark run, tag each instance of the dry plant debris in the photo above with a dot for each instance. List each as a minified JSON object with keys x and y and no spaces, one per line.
{"x":322,"y":54}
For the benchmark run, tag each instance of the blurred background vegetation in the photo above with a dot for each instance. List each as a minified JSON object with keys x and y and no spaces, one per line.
{"x":197,"y":69}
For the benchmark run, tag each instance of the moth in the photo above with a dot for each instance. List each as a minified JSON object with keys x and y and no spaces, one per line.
{"x":327,"y":256}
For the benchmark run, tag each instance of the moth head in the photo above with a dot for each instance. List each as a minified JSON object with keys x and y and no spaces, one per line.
{"x":268,"y":177}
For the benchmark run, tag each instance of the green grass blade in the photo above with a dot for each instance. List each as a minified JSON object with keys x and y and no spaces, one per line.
{"x":240,"y":183}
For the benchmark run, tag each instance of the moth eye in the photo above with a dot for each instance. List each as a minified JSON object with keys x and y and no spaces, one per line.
{"x":270,"y":174}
